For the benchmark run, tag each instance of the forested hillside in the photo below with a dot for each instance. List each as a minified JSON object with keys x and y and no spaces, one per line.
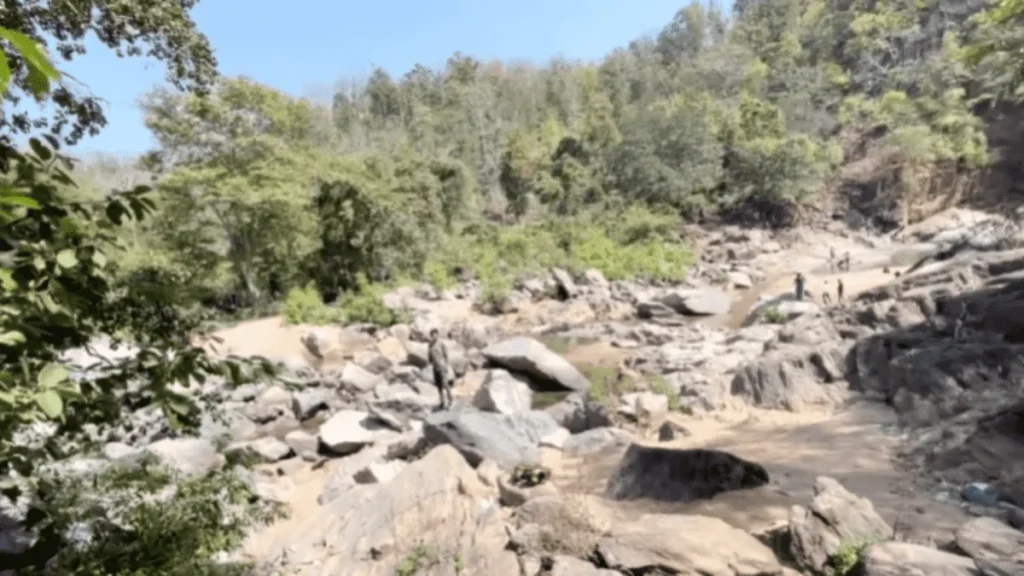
{"x":755,"y":115}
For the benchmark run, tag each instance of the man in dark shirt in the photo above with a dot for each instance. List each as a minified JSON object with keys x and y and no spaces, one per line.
{"x":437,"y":353}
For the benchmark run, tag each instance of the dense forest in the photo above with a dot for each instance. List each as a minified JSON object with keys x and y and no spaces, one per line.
{"x":482,"y":170}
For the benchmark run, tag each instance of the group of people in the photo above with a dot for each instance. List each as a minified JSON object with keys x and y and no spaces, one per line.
{"x":843,"y":264}
{"x":800,"y":281}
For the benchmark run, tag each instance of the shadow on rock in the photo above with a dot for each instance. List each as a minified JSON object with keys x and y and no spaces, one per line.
{"x":681,"y":475}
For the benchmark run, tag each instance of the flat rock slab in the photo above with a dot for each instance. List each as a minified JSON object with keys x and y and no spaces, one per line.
{"x":672,"y":475}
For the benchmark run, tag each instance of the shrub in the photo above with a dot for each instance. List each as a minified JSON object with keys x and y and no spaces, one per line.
{"x":144,"y":520}
{"x":366,"y":304}
{"x":305,"y":306}
{"x":772,"y":315}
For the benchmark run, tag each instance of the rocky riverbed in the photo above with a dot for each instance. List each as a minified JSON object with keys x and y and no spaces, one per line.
{"x":717,"y":427}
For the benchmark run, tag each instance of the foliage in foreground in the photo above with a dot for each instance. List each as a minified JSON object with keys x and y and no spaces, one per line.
{"x":59,"y":290}
{"x":139,"y":519}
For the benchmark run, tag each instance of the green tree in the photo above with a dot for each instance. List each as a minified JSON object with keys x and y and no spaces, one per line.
{"x":238,"y":172}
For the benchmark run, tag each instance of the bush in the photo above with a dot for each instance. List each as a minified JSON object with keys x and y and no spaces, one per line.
{"x":772,"y":315}
{"x":305,"y":306}
{"x":143,"y":520}
{"x":634,"y":243}
{"x":366,"y":304}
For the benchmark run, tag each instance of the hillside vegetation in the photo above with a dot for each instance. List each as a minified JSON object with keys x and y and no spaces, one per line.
{"x":480,"y":170}
{"x":489,"y":169}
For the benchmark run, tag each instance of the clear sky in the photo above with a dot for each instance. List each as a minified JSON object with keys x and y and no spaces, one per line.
{"x":304,"y":46}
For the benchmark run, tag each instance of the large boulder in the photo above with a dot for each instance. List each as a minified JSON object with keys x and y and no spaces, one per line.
{"x":681,"y":475}
{"x":834,"y":517}
{"x":686,"y":545}
{"x":479,"y":435}
{"x":531,"y":358}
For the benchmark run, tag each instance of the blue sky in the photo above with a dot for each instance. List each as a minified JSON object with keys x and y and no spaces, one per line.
{"x":304,"y":46}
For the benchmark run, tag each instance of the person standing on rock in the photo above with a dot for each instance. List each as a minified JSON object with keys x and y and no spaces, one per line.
{"x":839,"y":289}
{"x":799,"y":282}
{"x":831,"y":259}
{"x":437,"y":353}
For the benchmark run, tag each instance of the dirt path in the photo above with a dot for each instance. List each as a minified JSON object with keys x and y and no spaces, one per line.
{"x":857,"y":447}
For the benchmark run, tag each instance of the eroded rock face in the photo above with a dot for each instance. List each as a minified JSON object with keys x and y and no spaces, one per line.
{"x":681,"y":475}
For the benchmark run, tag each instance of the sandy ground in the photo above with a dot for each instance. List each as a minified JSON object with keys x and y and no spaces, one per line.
{"x":856,"y":446}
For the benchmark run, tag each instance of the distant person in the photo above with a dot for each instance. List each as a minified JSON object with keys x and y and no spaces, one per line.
{"x":846,"y":261}
{"x":839,"y":290}
{"x":799,"y":284}
{"x":826,"y":298}
{"x":831,"y":259}
{"x":437,"y":353}
{"x":958,"y":325}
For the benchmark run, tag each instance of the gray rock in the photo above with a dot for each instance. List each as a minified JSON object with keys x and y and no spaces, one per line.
{"x":834,"y":516}
{"x":595,"y":440}
{"x":359,"y":379}
{"x":533,"y":359}
{"x":350,"y":430}
{"x":266,"y":449}
{"x":302,"y":442}
{"x":307,"y":403}
{"x":740,"y":280}
{"x":478,"y":435}
{"x":379,"y":472}
{"x":577,"y":414}
{"x":904,"y":559}
{"x":503,"y":393}
{"x":270,"y":405}
{"x":702,"y":302}
{"x":565,"y":282}
{"x":187,"y":456}
{"x":988,"y":540}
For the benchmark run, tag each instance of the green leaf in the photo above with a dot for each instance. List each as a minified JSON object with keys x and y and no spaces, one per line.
{"x":52,"y":375}
{"x":179,"y":405}
{"x":40,"y":70}
{"x":43,"y":152}
{"x":51,"y":404}
{"x":25,"y":201}
{"x":67,"y":259}
{"x":5,"y":72}
{"x":12,"y":338}
{"x":99,"y":259}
